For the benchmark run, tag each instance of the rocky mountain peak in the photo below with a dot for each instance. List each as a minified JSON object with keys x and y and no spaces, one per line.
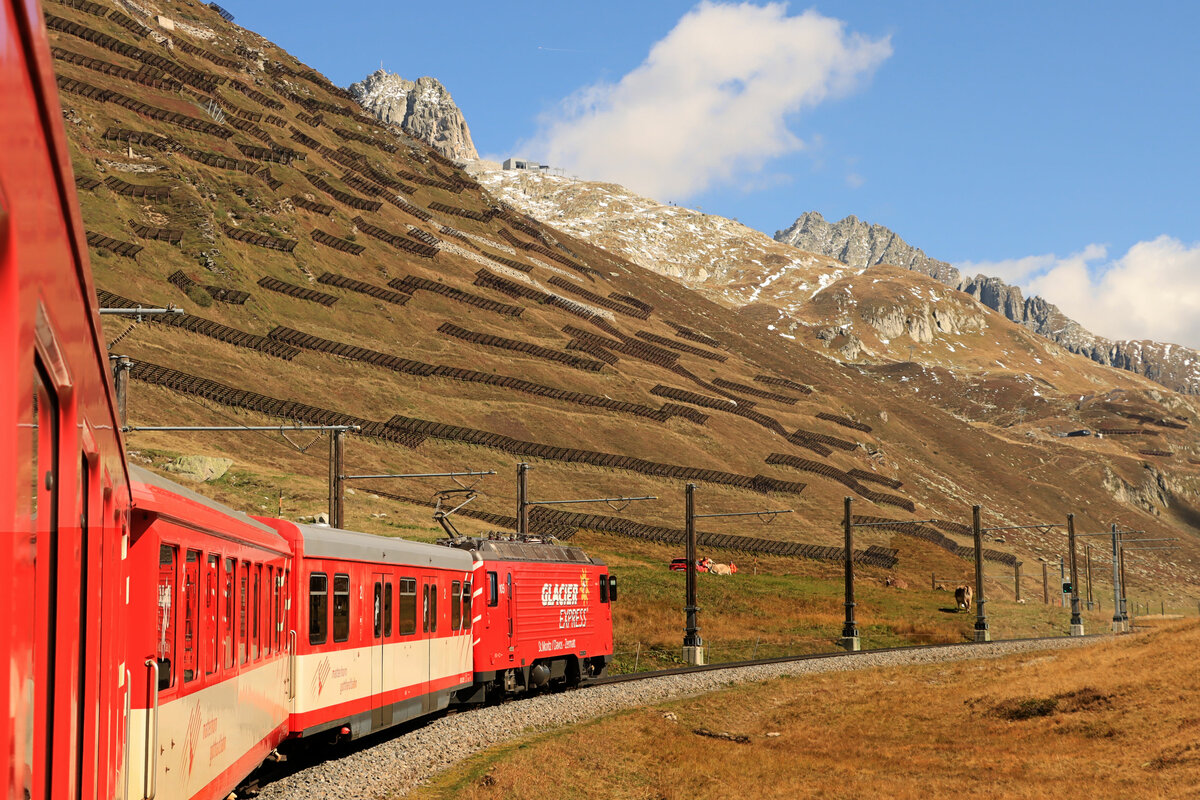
{"x":422,"y":108}
{"x":863,"y":245}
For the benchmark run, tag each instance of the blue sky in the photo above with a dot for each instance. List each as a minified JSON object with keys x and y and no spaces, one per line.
{"x":1044,"y":142}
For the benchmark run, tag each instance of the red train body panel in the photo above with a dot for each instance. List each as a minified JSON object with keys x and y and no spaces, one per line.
{"x":157,"y":642}
{"x":65,"y":496}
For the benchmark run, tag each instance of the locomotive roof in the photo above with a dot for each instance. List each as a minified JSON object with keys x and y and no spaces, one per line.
{"x":323,"y":542}
{"x":500,"y":550}
{"x":156,"y":481}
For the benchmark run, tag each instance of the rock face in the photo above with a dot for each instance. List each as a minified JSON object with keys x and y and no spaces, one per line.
{"x":422,"y":108}
{"x":862,"y":245}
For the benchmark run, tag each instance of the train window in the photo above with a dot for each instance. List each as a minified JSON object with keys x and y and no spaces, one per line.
{"x":387,"y":609}
{"x":612,"y":588}
{"x":408,"y":606}
{"x":455,"y":606}
{"x":280,"y":593}
{"x":318,"y":608}
{"x":268,"y":611}
{"x":191,"y":614}
{"x":425,"y":609}
{"x":165,"y":649}
{"x":255,"y":609}
{"x":212,"y":614}
{"x":466,"y":606}
{"x":378,"y":606}
{"x":603,"y":588}
{"x":243,"y":613}
{"x":433,"y":617}
{"x":230,"y":622}
{"x":341,"y":608}
{"x":493,"y":590}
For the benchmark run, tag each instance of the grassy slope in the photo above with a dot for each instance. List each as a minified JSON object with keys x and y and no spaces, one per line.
{"x":950,"y":437}
{"x":1117,"y":719}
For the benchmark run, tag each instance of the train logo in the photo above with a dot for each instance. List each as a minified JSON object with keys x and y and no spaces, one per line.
{"x":320,"y":676}
{"x":192,"y":738}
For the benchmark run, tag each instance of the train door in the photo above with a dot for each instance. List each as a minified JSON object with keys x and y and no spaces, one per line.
{"x":381,"y":631}
{"x":426,"y":658}
{"x":511,"y":607}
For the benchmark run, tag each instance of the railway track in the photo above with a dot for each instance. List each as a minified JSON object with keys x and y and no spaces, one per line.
{"x":395,"y":761}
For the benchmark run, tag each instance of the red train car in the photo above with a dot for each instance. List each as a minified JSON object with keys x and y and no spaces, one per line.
{"x":384,"y":629}
{"x":544,"y":615}
{"x":64,"y":499}
{"x":208,"y":642}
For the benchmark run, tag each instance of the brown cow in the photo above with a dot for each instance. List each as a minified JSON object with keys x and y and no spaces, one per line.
{"x":962,"y":597}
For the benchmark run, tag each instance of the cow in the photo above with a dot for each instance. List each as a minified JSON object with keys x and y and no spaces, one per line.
{"x":720,"y":569}
{"x":962,"y":597}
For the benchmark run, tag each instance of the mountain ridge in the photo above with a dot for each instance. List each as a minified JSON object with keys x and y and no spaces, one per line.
{"x":864,"y":245}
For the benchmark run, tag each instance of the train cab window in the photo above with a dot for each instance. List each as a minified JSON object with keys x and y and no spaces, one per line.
{"x":466,"y":606}
{"x":455,"y":606}
{"x":493,"y":590}
{"x":378,"y":608}
{"x":603,"y":588}
{"x":244,"y":613}
{"x":229,"y":623}
{"x":387,"y":610}
{"x":212,"y":613}
{"x":341,"y":608}
{"x":318,"y":608}
{"x":165,"y":648}
{"x":191,"y":615}
{"x":612,"y":588}
{"x":255,"y":608}
{"x":408,"y":606}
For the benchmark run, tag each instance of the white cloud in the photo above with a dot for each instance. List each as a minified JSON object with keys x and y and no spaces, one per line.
{"x":711,"y":101}
{"x":1151,"y":292}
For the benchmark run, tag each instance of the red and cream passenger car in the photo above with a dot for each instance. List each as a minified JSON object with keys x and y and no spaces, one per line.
{"x":384,"y":629}
{"x":209,"y":645}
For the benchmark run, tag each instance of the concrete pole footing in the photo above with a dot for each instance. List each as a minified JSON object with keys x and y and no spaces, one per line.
{"x":1077,"y":630}
{"x":983,"y":636}
{"x":851,"y":644}
{"x":694,"y":656}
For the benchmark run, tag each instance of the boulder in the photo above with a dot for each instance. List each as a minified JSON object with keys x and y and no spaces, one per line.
{"x":199,"y":468}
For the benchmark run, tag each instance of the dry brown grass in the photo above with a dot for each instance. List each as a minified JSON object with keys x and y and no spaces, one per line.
{"x":1120,"y":719}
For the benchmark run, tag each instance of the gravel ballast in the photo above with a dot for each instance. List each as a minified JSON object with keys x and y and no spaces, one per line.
{"x":397,"y":765}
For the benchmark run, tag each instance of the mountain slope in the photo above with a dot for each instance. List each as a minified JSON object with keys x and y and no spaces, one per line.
{"x":859,"y":244}
{"x":335,"y":271}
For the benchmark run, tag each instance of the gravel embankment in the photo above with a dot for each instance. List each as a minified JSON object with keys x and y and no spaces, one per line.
{"x":395,"y":766}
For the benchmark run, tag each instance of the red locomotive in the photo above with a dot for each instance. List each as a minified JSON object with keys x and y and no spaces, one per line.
{"x":156,"y":643}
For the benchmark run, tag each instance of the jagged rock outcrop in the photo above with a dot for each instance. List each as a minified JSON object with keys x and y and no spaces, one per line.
{"x":422,"y":108}
{"x":860,"y":244}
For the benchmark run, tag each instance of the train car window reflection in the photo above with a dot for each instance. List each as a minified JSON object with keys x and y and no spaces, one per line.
{"x":191,"y":614}
{"x":341,"y":608}
{"x":378,"y":606}
{"x":256,"y":607}
{"x":466,"y":606}
{"x":408,"y":606}
{"x":455,"y":605}
{"x":212,"y":615}
{"x":243,"y":613}
{"x":165,"y":648}
{"x":229,"y":624}
{"x":318,"y":608}
{"x":493,"y":599}
{"x":387,"y":610}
